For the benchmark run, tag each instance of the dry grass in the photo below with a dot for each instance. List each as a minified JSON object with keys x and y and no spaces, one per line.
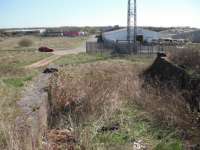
{"x":189,"y":58}
{"x":52,"y":42}
{"x":92,"y":86}
{"x":94,"y":93}
{"x":12,"y":63}
{"x":90,"y":93}
{"x":107,"y":83}
{"x":8,"y":112}
{"x":167,"y":107}
{"x":13,"y":78}
{"x":98,"y":94}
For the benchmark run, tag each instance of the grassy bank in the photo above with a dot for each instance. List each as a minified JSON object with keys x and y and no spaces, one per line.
{"x":13,"y":78}
{"x":100,"y":102}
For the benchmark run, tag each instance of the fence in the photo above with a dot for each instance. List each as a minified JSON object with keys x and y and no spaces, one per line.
{"x":123,"y":48}
{"x":94,"y":47}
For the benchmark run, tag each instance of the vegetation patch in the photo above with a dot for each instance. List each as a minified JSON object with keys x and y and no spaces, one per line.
{"x":13,"y":78}
{"x":135,"y":125}
{"x":170,"y":144}
{"x":81,"y":58}
{"x":17,"y":82}
{"x":101,"y":103}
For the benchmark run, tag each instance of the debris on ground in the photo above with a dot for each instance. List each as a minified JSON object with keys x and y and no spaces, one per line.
{"x":61,"y":136}
{"x":50,"y":70}
{"x":113,"y":127}
{"x":57,"y":139}
{"x":138,"y":145}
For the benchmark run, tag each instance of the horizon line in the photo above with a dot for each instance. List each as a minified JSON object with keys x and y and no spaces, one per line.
{"x":80,"y":26}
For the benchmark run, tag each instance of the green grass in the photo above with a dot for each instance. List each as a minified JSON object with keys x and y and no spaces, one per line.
{"x":81,"y":58}
{"x":17,"y":82}
{"x":170,"y":145}
{"x":135,"y":125}
{"x":13,"y":77}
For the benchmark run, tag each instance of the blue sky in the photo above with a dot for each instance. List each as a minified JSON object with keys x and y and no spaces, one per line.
{"x":38,"y":13}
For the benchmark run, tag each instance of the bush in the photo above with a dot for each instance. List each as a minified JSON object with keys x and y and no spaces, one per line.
{"x":25,"y":43}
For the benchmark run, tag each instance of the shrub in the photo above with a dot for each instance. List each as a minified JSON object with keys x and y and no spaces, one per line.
{"x":25,"y":43}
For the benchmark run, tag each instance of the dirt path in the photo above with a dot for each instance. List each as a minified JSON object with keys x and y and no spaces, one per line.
{"x":57,"y":54}
{"x":44,"y":62}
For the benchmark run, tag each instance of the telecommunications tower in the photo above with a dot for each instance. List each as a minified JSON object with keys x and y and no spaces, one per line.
{"x":132,"y":24}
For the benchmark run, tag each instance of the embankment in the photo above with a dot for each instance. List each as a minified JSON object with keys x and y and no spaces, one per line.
{"x":170,"y":74}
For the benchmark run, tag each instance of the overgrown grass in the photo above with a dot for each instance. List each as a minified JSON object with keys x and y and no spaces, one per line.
{"x":135,"y":125}
{"x":189,"y":58}
{"x":13,"y":78}
{"x":101,"y":94}
{"x":88,"y":95}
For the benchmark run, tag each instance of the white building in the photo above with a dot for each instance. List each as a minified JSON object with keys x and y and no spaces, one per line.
{"x":121,"y":35}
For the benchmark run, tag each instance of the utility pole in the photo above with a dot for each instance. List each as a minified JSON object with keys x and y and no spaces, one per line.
{"x":129,"y":26}
{"x":132,"y":23}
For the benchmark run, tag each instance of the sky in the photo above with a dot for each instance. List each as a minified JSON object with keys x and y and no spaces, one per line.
{"x":51,"y":13}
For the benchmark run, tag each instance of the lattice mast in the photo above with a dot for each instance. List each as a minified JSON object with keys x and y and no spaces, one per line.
{"x":132,"y":23}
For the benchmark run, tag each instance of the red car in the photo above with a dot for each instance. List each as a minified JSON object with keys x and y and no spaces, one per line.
{"x":45,"y":49}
